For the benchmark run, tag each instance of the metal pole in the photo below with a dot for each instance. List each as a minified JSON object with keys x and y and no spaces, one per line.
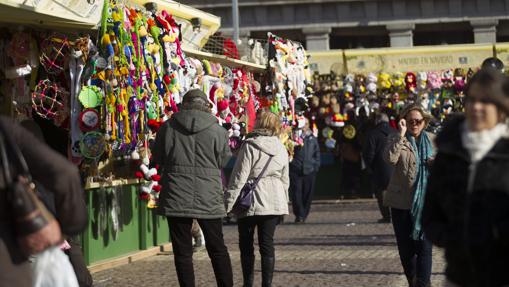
{"x":235,"y":18}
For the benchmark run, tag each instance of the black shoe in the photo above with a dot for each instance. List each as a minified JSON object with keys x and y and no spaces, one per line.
{"x":384,"y":220}
{"x":299,"y":220}
{"x":267,"y":271}
{"x":247,"y":270}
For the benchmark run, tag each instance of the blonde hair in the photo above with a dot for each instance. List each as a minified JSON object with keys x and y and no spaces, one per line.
{"x":268,"y":121}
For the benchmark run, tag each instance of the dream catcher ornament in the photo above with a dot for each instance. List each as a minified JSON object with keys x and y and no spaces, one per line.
{"x":92,"y":145}
{"x":54,"y":52}
{"x":49,"y":99}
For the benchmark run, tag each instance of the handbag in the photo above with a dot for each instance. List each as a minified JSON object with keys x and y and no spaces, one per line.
{"x":36,"y":228}
{"x":246,"y":196}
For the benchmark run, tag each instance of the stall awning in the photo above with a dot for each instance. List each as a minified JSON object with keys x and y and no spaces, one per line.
{"x":327,"y":61}
{"x":77,"y":14}
{"x":193,"y":39}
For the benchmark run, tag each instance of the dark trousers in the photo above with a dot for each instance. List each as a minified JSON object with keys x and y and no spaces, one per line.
{"x":415,"y":255}
{"x":302,"y":188}
{"x":384,"y":210}
{"x":181,"y":238}
{"x":266,"y":226}
{"x":78,"y":262}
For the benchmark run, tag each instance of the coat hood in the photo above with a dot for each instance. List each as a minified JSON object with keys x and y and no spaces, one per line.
{"x":270,"y":145}
{"x":194,"y":121}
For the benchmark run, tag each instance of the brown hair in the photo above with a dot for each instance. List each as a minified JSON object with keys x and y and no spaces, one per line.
{"x":268,"y":121}
{"x":495,"y":86}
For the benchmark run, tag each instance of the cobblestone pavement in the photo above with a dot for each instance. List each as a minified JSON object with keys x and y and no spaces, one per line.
{"x":340,"y":245}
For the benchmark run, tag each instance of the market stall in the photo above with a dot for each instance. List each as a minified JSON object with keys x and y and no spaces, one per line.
{"x":105,"y":88}
{"x":386,"y":80}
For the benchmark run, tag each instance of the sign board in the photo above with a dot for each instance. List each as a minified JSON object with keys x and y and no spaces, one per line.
{"x":502,"y":52}
{"x":327,"y":61}
{"x":416,"y":59}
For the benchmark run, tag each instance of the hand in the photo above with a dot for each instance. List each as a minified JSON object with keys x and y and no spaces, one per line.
{"x":430,"y":161}
{"x":402,"y":127}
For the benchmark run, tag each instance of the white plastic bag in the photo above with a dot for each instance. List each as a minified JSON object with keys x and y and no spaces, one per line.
{"x":52,"y":268}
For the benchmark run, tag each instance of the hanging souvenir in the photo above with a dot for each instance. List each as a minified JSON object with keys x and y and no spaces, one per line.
{"x":89,"y":120}
{"x":54,"y":51}
{"x":48,"y":99}
{"x":92,"y":145}
{"x":90,"y":96}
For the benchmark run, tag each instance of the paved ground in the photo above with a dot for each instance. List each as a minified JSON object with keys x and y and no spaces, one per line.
{"x":340,"y":245}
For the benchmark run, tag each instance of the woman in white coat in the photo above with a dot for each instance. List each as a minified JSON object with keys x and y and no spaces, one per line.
{"x":270,"y":194}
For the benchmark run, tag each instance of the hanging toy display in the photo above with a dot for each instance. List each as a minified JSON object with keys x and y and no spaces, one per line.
{"x":54,"y":51}
{"x":289,"y":71}
{"x":92,"y":145}
{"x":49,"y":99}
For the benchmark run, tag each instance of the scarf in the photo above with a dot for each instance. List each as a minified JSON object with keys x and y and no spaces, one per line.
{"x":478,"y":144}
{"x":423,"y":150}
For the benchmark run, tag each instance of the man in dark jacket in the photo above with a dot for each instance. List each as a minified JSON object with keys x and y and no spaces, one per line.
{"x":376,"y":139}
{"x":191,"y":149}
{"x":303,"y":169}
{"x":58,"y":176}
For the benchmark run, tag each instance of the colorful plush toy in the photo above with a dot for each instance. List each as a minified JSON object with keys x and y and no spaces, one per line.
{"x":410,"y":82}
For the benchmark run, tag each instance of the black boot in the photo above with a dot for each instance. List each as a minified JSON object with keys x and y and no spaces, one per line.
{"x":248,"y":270}
{"x":267,"y":271}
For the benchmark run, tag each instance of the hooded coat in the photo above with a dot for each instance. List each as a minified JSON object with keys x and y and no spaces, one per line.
{"x":191,"y":149}
{"x":271,"y":193}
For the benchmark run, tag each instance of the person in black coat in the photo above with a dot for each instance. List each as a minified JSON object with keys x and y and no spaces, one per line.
{"x":58,"y":176}
{"x":381,"y":171}
{"x":466,"y":208}
{"x":303,"y":169}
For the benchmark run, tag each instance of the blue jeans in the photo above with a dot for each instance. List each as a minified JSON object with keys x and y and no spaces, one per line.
{"x":415,"y":255}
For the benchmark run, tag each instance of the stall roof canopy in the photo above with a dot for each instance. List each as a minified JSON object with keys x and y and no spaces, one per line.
{"x":193,"y":39}
{"x":86,"y":14}
{"x":80,"y":14}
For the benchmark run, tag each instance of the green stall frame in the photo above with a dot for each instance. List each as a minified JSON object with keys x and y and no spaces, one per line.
{"x":139,"y":227}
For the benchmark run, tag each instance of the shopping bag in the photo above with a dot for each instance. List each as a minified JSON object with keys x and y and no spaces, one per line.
{"x":52,"y":268}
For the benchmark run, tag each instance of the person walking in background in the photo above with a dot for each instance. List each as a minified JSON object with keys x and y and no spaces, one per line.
{"x":381,"y":171}
{"x":191,"y":148}
{"x":270,"y":195}
{"x":303,"y":170}
{"x":466,"y":210}
{"x":58,"y":176}
{"x":410,"y":152}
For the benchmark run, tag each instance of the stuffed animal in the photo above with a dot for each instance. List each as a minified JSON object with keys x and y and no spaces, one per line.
{"x":410,"y":82}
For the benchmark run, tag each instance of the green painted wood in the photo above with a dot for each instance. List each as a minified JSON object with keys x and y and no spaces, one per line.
{"x":163,"y":232}
{"x":142,"y":211}
{"x":100,"y":245}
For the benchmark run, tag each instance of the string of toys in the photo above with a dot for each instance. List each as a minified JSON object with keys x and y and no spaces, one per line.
{"x":340,"y":98}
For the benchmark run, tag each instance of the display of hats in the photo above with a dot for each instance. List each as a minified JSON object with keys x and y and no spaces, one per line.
{"x":92,"y":145}
{"x":89,"y":120}
{"x":48,"y":99}
{"x":90,"y":96}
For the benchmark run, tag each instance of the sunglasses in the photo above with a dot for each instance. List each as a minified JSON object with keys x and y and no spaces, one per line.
{"x":415,"y":122}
